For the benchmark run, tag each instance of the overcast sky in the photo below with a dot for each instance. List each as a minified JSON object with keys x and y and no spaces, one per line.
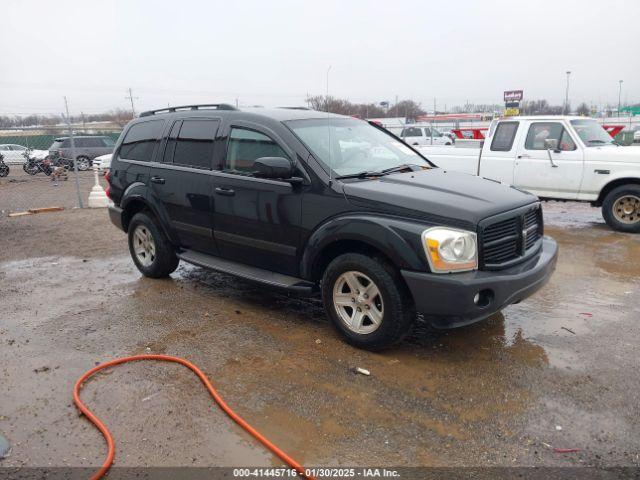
{"x":274,"y":53}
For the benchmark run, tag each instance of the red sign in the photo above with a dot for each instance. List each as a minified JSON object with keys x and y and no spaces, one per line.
{"x":513,"y":95}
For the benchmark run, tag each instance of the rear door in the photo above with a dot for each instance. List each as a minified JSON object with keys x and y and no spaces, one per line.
{"x":181,"y":182}
{"x":535,"y":171}
{"x":256,"y":221}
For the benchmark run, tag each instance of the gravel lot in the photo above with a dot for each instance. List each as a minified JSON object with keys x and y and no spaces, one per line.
{"x":492,"y":394}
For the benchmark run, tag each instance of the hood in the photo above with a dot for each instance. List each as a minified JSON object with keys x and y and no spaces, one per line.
{"x":613,"y":153}
{"x":451,"y":197}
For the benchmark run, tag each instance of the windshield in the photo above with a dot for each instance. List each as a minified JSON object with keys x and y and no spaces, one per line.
{"x":591,"y":133}
{"x":351,"y":146}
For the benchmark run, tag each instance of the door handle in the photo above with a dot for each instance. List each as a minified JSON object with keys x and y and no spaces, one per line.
{"x":524,"y":155}
{"x":227,"y":192}
{"x":157,"y":180}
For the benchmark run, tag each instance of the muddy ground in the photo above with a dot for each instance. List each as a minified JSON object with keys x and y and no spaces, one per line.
{"x":558,"y":370}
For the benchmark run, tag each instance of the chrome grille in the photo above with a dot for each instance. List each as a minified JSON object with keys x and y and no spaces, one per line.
{"x":506,"y":241}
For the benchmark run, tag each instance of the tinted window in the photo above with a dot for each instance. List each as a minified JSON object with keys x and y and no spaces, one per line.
{"x":541,"y":131}
{"x":66,"y":143}
{"x":81,"y":142}
{"x":245,"y":146}
{"x":194,"y":145}
{"x":140,"y":140}
{"x":504,"y":136}
{"x":412,"y":132}
{"x":89,"y":142}
{"x":18,"y":148}
{"x":171,"y":142}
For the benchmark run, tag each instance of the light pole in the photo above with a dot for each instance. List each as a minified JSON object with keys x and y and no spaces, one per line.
{"x":619,"y":95}
{"x":566,"y":97}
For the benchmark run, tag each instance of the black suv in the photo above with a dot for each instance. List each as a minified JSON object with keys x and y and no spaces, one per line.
{"x":308,"y":201}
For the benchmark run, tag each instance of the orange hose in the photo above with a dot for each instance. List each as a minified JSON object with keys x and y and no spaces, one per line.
{"x":207,"y":383}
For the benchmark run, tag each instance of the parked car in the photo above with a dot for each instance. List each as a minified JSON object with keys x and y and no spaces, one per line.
{"x":86,"y":148}
{"x":15,"y":154}
{"x":103,"y":162}
{"x":286,"y":198}
{"x":424,"y":135}
{"x":636,"y":134}
{"x":556,"y":157}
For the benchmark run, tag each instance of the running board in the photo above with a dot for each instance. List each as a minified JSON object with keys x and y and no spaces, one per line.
{"x":247,"y":272}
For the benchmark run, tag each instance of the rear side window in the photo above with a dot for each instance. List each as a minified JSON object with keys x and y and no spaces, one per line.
{"x":140,"y":141}
{"x":194,"y":145}
{"x":504,"y":136}
{"x":66,"y":143}
{"x":245,"y":146}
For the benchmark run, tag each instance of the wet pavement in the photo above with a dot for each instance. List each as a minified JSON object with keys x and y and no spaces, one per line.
{"x":557,"y":370}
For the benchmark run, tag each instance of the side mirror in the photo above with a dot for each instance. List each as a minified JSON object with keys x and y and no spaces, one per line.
{"x":273,"y":167}
{"x":551,"y":144}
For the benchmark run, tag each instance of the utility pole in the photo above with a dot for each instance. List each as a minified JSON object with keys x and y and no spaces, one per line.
{"x":73,"y":153}
{"x":619,"y":95}
{"x":566,"y":97}
{"x":396,"y":106}
{"x":236,"y":103}
{"x":132,"y":98}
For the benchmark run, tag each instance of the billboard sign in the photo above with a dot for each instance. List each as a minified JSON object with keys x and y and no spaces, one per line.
{"x":513,"y":95}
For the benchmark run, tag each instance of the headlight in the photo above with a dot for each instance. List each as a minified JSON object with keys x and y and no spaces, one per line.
{"x":450,"y":250}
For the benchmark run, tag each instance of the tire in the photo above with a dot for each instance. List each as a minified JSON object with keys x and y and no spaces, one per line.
{"x":4,"y":171}
{"x":155,"y":261}
{"x":392,"y":305}
{"x":621,"y":208}
{"x":31,"y":170}
{"x":84,"y":163}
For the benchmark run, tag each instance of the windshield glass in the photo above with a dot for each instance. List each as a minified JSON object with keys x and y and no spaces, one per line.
{"x":351,"y":146}
{"x":591,"y":133}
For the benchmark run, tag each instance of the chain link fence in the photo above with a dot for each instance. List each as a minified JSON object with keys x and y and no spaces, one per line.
{"x":40,"y":170}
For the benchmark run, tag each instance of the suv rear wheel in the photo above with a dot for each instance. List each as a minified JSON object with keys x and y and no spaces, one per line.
{"x":367,"y":302}
{"x":149,"y":247}
{"x":621,"y":208}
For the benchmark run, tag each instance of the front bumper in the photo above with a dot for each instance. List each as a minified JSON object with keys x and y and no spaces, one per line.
{"x":447,"y":300}
{"x":115,"y":214}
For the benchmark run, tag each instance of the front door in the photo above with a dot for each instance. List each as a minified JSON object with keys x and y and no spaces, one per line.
{"x":549,"y":173}
{"x":256,"y":221}
{"x":181,"y":182}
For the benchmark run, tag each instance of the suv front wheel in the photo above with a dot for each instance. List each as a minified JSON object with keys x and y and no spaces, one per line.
{"x":150,"y":249}
{"x":367,"y":301}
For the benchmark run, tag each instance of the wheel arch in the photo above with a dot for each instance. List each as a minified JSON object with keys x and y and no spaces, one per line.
{"x":395,"y":241}
{"x":618,"y":182}
{"x":137,"y":203}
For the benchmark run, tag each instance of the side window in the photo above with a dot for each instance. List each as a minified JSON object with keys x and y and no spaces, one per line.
{"x":170,"y":147}
{"x":427,"y":132}
{"x":18,"y":148}
{"x":245,"y":146}
{"x":80,"y":142}
{"x":412,"y":132}
{"x":566,"y":142}
{"x":140,"y":141}
{"x":541,"y":131}
{"x":4,"y":148}
{"x":504,"y":136}
{"x":194,"y":145}
{"x":107,"y":142}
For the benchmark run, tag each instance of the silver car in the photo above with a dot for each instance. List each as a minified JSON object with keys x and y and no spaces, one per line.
{"x":86,"y":148}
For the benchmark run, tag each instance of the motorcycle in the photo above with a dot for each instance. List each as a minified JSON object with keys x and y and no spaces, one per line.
{"x":34,"y":165}
{"x":4,"y":168}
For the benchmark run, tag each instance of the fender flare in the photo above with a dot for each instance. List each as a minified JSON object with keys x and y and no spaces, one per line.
{"x":398,"y":239}
{"x":137,"y":192}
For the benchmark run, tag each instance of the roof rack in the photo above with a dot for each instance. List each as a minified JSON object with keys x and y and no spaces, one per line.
{"x":207,"y":106}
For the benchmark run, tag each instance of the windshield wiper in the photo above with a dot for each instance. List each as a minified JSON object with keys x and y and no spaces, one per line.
{"x":597,"y":141}
{"x":400,"y":168}
{"x":381,"y":173}
{"x":363,"y":174}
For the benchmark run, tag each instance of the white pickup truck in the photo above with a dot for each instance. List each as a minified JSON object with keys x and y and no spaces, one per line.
{"x":555,"y":157}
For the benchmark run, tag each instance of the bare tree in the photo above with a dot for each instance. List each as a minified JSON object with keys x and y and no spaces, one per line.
{"x":583,"y":110}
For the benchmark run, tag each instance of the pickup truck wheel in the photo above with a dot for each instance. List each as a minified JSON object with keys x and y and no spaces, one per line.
{"x":149,"y":247}
{"x":621,"y":208}
{"x":366,"y":301}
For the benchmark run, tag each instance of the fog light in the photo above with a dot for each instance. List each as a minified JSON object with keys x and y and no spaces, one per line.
{"x":483,"y":298}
